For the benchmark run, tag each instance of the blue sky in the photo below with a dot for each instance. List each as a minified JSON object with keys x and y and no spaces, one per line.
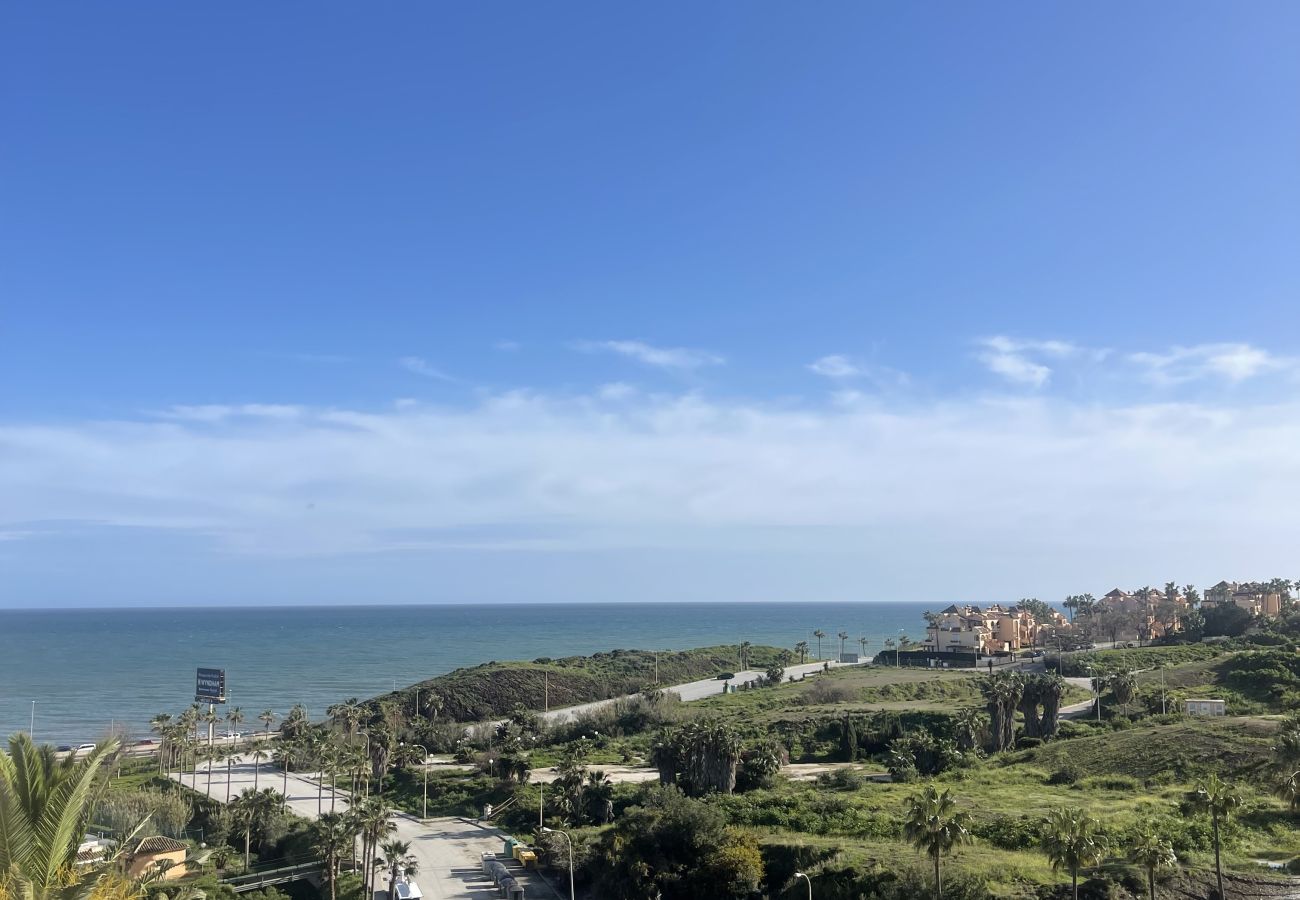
{"x":329,"y":303}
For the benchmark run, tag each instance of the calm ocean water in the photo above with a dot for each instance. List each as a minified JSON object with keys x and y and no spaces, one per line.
{"x":90,"y":669}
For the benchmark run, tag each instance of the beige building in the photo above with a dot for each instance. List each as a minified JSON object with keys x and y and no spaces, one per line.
{"x":994,"y":629}
{"x":1257,"y":599}
{"x":145,"y":858}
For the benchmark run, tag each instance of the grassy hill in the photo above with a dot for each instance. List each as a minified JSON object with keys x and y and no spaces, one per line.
{"x":494,"y":689}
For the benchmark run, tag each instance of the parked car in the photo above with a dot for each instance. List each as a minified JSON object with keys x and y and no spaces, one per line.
{"x":726,"y":676}
{"x":64,"y":748}
{"x":85,"y":748}
{"x":146,"y":742}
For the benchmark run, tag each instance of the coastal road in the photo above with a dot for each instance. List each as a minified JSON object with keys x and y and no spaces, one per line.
{"x":448,"y":849}
{"x":692,"y":690}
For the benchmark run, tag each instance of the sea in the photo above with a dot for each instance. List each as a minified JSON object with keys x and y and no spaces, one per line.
{"x":75,"y":675}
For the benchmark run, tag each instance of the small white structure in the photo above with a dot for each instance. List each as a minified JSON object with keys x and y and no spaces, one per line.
{"x":1202,"y":707}
{"x":407,"y":889}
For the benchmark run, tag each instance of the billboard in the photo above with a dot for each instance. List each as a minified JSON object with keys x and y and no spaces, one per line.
{"x":210,"y":686}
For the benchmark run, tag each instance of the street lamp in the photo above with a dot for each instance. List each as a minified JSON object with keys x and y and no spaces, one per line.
{"x":546,"y":830}
{"x":424,"y":766}
{"x":798,"y":875}
{"x":1096,"y":689}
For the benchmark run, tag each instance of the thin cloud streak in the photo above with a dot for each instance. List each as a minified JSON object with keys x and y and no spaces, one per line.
{"x":672,"y":358}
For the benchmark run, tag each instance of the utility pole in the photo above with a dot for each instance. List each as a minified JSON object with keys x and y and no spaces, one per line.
{"x":31,"y":729}
{"x":546,"y":692}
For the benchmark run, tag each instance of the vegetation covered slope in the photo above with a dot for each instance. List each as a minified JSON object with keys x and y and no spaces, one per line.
{"x":494,"y":689}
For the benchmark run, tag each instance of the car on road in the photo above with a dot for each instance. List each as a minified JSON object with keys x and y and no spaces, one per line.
{"x":64,"y":748}
{"x":726,"y":676}
{"x":146,"y":742}
{"x":85,"y":748}
{"x":234,"y":735}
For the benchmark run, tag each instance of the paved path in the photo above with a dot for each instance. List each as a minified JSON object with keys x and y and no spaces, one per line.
{"x":693,"y":690}
{"x":448,"y":849}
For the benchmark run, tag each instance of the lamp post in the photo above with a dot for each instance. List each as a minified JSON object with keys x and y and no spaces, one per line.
{"x":546,"y":830}
{"x":1096,"y":689}
{"x":31,"y":729}
{"x":798,"y":875}
{"x":424,"y":767}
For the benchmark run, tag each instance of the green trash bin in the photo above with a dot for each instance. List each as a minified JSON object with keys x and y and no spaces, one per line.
{"x":510,"y":848}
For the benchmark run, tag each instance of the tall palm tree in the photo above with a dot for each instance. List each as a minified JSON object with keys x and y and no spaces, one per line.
{"x":802,"y":649}
{"x":235,"y":717}
{"x":1072,"y":840}
{"x":210,"y":718}
{"x":296,"y":723}
{"x":889,"y":645}
{"x":970,"y":724}
{"x":843,"y":636}
{"x":259,"y":752}
{"x":231,"y":755}
{"x":1152,"y":852}
{"x":375,"y":819}
{"x":400,"y":863}
{"x":333,"y":836}
{"x":348,"y":715}
{"x":283,"y":757}
{"x":1286,"y":752}
{"x":744,"y":654}
{"x":933,"y":826}
{"x":862,"y":642}
{"x":267,"y":718}
{"x":1218,"y":799}
{"x":161,"y":725}
{"x":819,"y":634}
{"x":44,"y":809}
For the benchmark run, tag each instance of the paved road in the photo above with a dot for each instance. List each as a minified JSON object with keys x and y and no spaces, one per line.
{"x":693,"y":690}
{"x":448,"y":849}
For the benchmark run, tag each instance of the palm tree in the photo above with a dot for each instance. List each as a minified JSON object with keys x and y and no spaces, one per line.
{"x":267,"y":718}
{"x":934,"y":826}
{"x":231,"y":755}
{"x":296,"y":723}
{"x":400,"y":863}
{"x":375,"y":819}
{"x":44,"y":808}
{"x":347,"y":714}
{"x":333,"y":836}
{"x":1217,"y":799}
{"x":1152,"y":852}
{"x":819,"y":634}
{"x":283,"y":757}
{"x":259,"y":752}
{"x":862,"y":642}
{"x":802,"y":649}
{"x":843,"y":636}
{"x":1288,"y":789}
{"x":235,"y":717}
{"x":744,"y":654}
{"x":161,"y":725}
{"x":889,"y":645}
{"x":1286,"y":752}
{"x":969,"y":727}
{"x":1072,"y":840}
{"x":210,"y":718}
{"x":1123,"y":685}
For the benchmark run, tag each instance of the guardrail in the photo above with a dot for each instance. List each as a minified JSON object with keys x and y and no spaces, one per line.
{"x":251,"y":881}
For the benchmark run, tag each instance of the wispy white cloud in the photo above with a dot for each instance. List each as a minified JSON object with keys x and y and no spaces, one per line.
{"x":419,"y":366}
{"x":843,"y":368}
{"x":679,"y":358}
{"x":837,"y":366}
{"x":217,"y":412}
{"x":1231,"y":362}
{"x":506,"y":346}
{"x":1022,"y":361}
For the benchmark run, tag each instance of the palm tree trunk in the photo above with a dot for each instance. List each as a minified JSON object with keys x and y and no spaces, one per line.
{"x":1218,"y":869}
{"x":333,"y":787}
{"x":247,"y":840}
{"x":1074,"y":883}
{"x":1151,"y":881}
{"x":938,"y":879}
{"x":286,"y":778}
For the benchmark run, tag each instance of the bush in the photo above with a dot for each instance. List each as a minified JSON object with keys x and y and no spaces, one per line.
{"x":841,"y":780}
{"x":1067,"y":774}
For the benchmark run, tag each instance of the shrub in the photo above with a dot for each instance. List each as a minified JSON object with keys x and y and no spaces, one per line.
{"x":1111,"y":783}
{"x":1067,"y":774}
{"x":841,"y":780}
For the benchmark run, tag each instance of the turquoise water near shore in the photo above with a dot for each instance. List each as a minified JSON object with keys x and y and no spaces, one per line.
{"x":89,"y":670}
